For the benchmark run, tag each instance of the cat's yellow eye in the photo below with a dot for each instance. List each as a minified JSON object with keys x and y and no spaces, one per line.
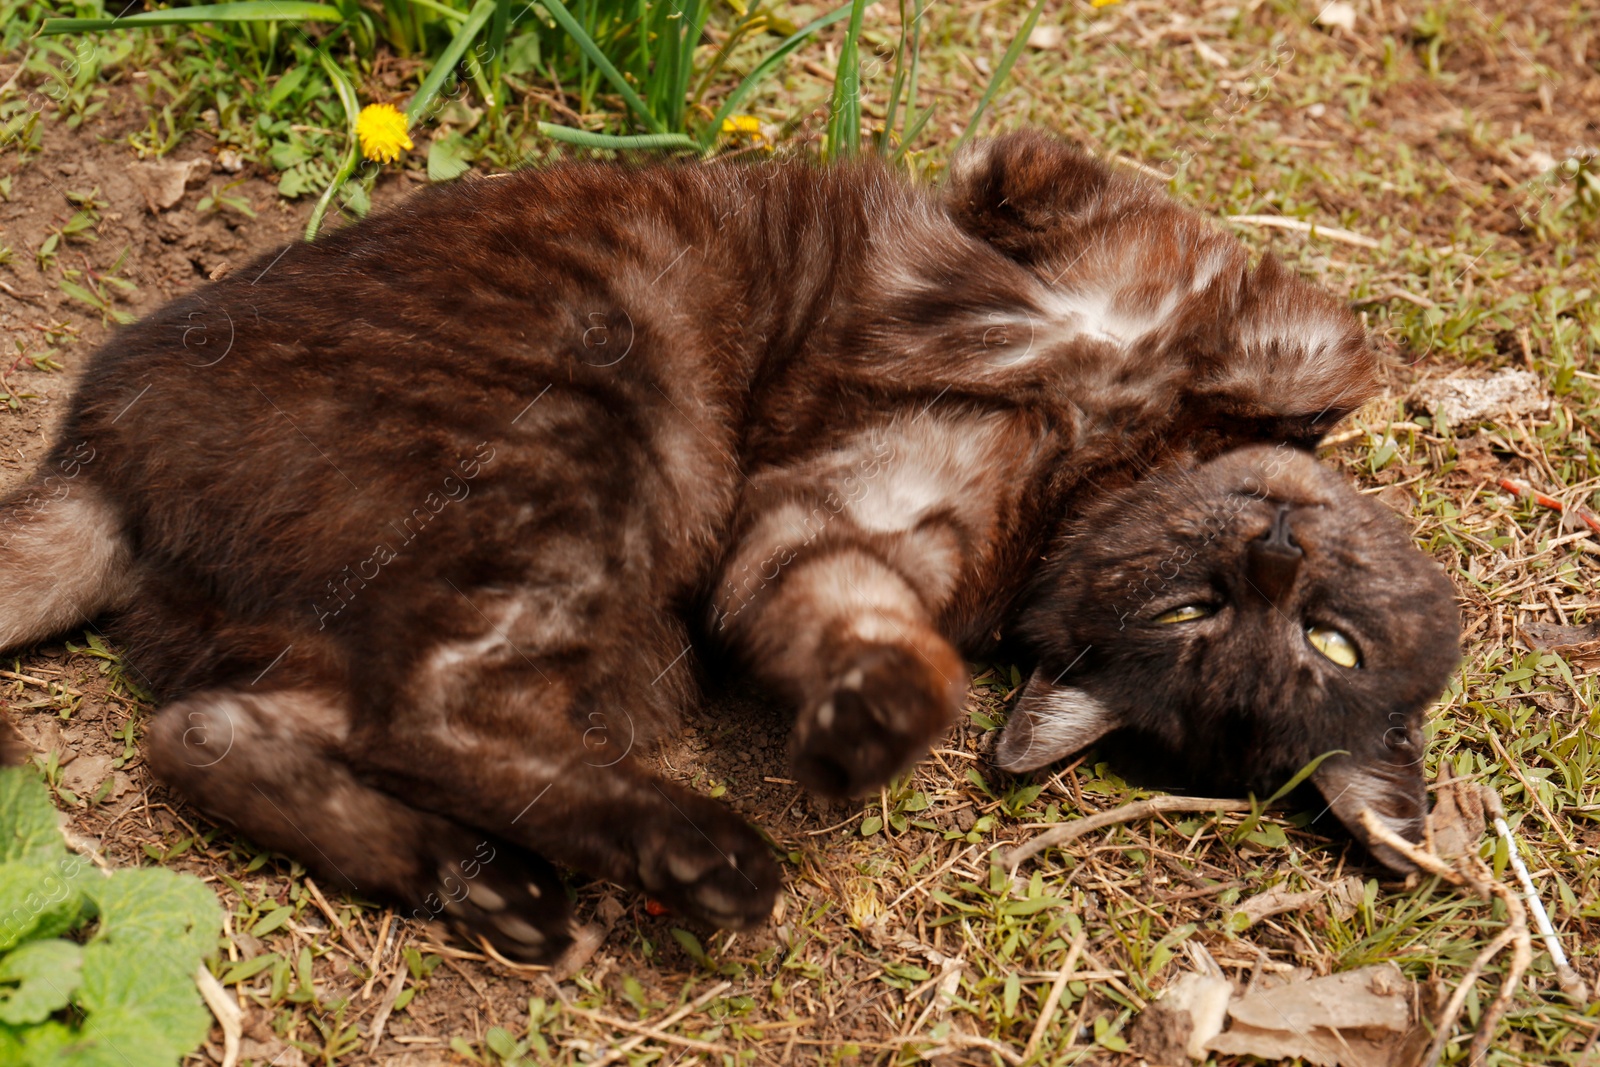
{"x":1333,"y":645}
{"x":1187,"y":613}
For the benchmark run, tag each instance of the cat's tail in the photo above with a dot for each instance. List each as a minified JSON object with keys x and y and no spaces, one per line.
{"x":64,"y":558}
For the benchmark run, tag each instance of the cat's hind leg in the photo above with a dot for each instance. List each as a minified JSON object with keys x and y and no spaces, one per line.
{"x":267,"y":763}
{"x":541,"y":787}
{"x":64,"y":558}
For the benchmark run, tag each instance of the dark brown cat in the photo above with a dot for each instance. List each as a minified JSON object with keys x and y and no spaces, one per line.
{"x":410,"y":524}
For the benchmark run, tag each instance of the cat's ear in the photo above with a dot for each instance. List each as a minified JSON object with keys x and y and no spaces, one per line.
{"x":1050,"y":722}
{"x":1391,"y":787}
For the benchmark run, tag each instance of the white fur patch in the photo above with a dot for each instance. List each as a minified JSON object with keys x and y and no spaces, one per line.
{"x":63,"y":560}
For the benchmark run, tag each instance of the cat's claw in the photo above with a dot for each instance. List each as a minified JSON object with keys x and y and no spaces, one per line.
{"x":881,"y":713}
{"x":703,"y":861}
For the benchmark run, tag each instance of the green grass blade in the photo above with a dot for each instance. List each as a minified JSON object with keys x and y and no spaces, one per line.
{"x":497,"y":48}
{"x":708,"y":137}
{"x":1002,"y":71}
{"x":844,"y":113}
{"x":352,"y":108}
{"x":1300,"y":776}
{"x":564,"y":19}
{"x":477,"y":18}
{"x":453,"y":14}
{"x":248,"y":11}
{"x":586,"y":139}
{"x":911,"y":135}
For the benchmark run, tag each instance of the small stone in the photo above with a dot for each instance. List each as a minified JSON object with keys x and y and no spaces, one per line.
{"x":1338,"y":15}
{"x":1045,"y":38}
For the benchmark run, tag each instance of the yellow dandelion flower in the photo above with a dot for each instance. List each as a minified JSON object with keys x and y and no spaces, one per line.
{"x":1103,"y":3}
{"x":381,"y":129}
{"x":745,"y":124}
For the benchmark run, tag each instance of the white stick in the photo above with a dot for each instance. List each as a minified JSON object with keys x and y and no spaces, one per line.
{"x":1571,"y":984}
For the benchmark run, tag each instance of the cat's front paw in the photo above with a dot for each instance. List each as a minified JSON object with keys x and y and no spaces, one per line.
{"x":880,"y":715}
{"x":703,"y":861}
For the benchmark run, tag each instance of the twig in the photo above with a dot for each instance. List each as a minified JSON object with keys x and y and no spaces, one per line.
{"x":1458,"y":999}
{"x":958,"y":1040}
{"x":396,"y":984}
{"x":1053,"y":1000}
{"x":42,"y":683}
{"x":1139,"y":809}
{"x":27,"y":298}
{"x":688,"y":1009}
{"x":647,"y":1031}
{"x":1332,"y":233}
{"x":1583,"y":515}
{"x":1469,"y":873}
{"x":225,"y":1009}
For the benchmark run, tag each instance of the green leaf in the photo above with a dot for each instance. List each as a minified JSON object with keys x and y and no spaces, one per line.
{"x":500,"y":1042}
{"x":39,"y":898}
{"x":28,"y":823}
{"x":1300,"y":776}
{"x":448,"y":157}
{"x":245,"y":970}
{"x":291,"y":80}
{"x":157,"y":911}
{"x":643,"y":141}
{"x":691,"y":945}
{"x":249,"y":11}
{"x":41,"y":977}
{"x":272,"y":921}
{"x":128,"y":988}
{"x":871,"y":825}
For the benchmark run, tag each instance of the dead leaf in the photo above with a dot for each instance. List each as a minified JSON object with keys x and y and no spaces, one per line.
{"x":1355,"y":1019}
{"x":1464,"y":400}
{"x":1476,"y":460}
{"x":586,"y":941}
{"x":1455,"y":824}
{"x":1344,"y":897}
{"x":162,"y":181}
{"x":1578,"y":645}
{"x":1190,"y":1013}
{"x":84,"y":774}
{"x":1276,"y":901}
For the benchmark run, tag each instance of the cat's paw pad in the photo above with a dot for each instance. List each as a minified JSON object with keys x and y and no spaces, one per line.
{"x":507,"y":896}
{"x":703,"y":861}
{"x":880,"y":714}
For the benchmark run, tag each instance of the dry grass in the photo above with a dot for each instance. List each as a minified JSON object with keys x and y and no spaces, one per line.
{"x":1432,"y":130}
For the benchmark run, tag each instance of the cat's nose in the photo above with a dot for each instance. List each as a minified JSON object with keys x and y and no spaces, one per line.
{"x":1274,"y":560}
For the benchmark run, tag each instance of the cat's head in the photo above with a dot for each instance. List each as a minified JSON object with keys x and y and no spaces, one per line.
{"x":1273,"y":357}
{"x":1244,"y":617}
